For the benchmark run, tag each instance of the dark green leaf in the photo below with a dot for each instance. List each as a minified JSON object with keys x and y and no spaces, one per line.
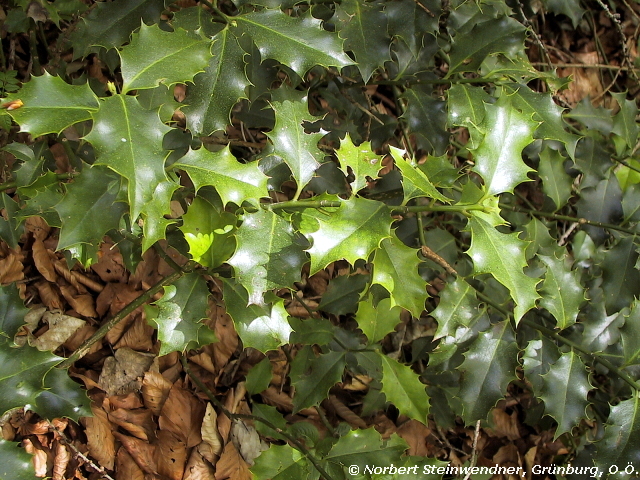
{"x":537,"y":358}
{"x":629,"y":336}
{"x":15,"y":463}
{"x":602,"y":203}
{"x":556,"y":182}
{"x":343,"y":294}
{"x":595,"y":118}
{"x":282,"y":462}
{"x":320,"y":375}
{"x":562,"y":293}
{"x":403,"y":388}
{"x":9,"y":228}
{"x":570,"y":8}
{"x":458,"y":307}
{"x":259,"y":377}
{"x":620,"y":277}
{"x":426,"y":118}
{"x":12,"y":310}
{"x":365,"y":447}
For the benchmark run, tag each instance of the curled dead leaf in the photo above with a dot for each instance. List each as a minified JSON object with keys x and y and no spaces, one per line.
{"x":100,"y":439}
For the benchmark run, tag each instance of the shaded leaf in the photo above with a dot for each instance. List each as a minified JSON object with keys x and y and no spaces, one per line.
{"x":9,"y":228}
{"x":343,"y":293}
{"x":537,"y":358}
{"x":570,"y":8}
{"x":595,"y":118}
{"x":426,"y":118}
{"x":322,"y":373}
{"x":562,"y":293}
{"x":624,"y":123}
{"x":556,"y":182}
{"x":629,"y":336}
{"x":620,"y":277}
{"x":403,"y":388}
{"x":259,"y":377}
{"x":602,"y":203}
{"x":15,"y":463}
{"x":458,"y":307}
{"x":12,"y":310}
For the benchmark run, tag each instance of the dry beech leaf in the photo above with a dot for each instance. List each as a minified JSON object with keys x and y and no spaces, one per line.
{"x":415,"y":434}
{"x":43,"y":260}
{"x":11,"y":268}
{"x":170,"y":455}
{"x":39,"y":457}
{"x":136,"y":422}
{"x":209,"y":430}
{"x":155,"y":390}
{"x":110,"y":266}
{"x":60,"y":462}
{"x":61,"y":327}
{"x":182,"y":415}
{"x":346,"y":414}
{"x":37,"y":226}
{"x":49,"y":295}
{"x":121,"y":373}
{"x":197,"y":467}
{"x":128,"y":401}
{"x":100,"y":439}
{"x":81,"y":303}
{"x":504,"y":425}
{"x":139,"y":335}
{"x":232,"y":466}
{"x":142,"y":452}
{"x":126,"y":467}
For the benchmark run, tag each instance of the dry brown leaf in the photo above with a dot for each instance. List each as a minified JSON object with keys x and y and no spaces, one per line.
{"x":139,"y":335}
{"x":415,"y":434}
{"x":155,"y":390}
{"x":126,"y":467}
{"x":141,"y":452}
{"x":137,"y":422}
{"x":100,"y":439}
{"x":197,"y":467}
{"x":504,"y":425}
{"x":121,"y":373}
{"x":44,"y":260}
{"x":60,"y":462}
{"x":204,"y":360}
{"x":110,"y":266}
{"x":346,"y":414}
{"x":171,"y":455}
{"x":37,"y":226}
{"x":246,"y":440}
{"x":275,"y":398}
{"x":225,"y":333}
{"x":79,"y":337}
{"x":209,"y":431}
{"x":11,"y":268}
{"x":39,"y":457}
{"x":61,"y":327}
{"x":232,"y":466}
{"x":81,"y":303}
{"x":182,"y":415}
{"x":128,"y":401}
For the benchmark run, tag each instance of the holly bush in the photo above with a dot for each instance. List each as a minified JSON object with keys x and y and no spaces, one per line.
{"x":410,"y":150}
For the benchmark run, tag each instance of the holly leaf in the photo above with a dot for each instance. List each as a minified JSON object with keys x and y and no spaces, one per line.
{"x":564,"y":392}
{"x":403,"y":388}
{"x":216,"y":90}
{"x":365,"y":447}
{"x":9,"y":228}
{"x":361,"y":160}
{"x":263,"y":327}
{"x":154,"y":214}
{"x":282,"y":462}
{"x":570,"y":8}
{"x":601,"y":203}
{"x":625,"y":126}
{"x":28,"y":379}
{"x":426,"y":118}
{"x":562,"y":293}
{"x":128,"y":139}
{"x":51,"y":105}
{"x":322,"y":373}
{"x":234,"y":181}
{"x":629,"y":336}
{"x":501,"y":35}
{"x":395,"y":267}
{"x":503,"y":256}
{"x":343,"y":293}
{"x":299,"y":43}
{"x":350,"y":232}
{"x":15,"y":463}
{"x":538,"y":356}
{"x":489,"y":365}
{"x":298,"y":149}
{"x":414,"y":182}
{"x":155,"y":56}
{"x":556,"y":183}
{"x":466,"y":105}
{"x":376,"y":322}
{"x":178,"y":314}
{"x":499,"y":154}
{"x":12,"y":310}
{"x":90,"y":208}
{"x":110,"y":24}
{"x":269,"y":254}
{"x":594,"y":118}
{"x":363,"y":26}
{"x":458,"y":307}
{"x":620,"y":277}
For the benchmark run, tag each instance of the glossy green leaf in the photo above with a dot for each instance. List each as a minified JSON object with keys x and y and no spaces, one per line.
{"x":466,"y":105}
{"x":28,"y":378}
{"x":489,"y":365}
{"x":322,"y":373}
{"x":501,"y":35}
{"x":629,"y":336}
{"x":565,"y":390}
{"x":351,"y":232}
{"x":51,"y":105}
{"x":298,"y":149}
{"x":259,"y":377}
{"x":15,"y":463}
{"x":343,"y":294}
{"x":414,"y":182}
{"x":235,"y":182}
{"x":90,"y":208}
{"x":601,"y":203}
{"x":620,"y":277}
{"x":9,"y":228}
{"x":538,"y":356}
{"x":216,"y":90}
{"x":556,"y":182}
{"x":282,"y":462}
{"x":268,"y":255}
{"x":595,"y":118}
{"x":624,"y":123}
{"x":363,"y":26}
{"x":299,"y":43}
{"x":156,"y":56}
{"x":502,"y":255}
{"x":395,"y":267}
{"x":128,"y":139}
{"x":12,"y":310}
{"x":361,"y":160}
{"x":426,"y":118}
{"x":499,"y":154}
{"x":402,"y":387}
{"x":593,"y":160}
{"x":376,"y":322}
{"x":458,"y":306}
{"x":155,"y":213}
{"x":178,"y":314}
{"x":562,"y":293}
{"x":571,"y":8}
{"x":263,"y":327}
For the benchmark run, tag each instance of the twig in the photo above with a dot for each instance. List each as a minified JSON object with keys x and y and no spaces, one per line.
{"x":615,"y":18}
{"x":474,"y":451}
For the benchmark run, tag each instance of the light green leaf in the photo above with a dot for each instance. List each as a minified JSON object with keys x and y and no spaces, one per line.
{"x":562,"y":293}
{"x":376,"y":322}
{"x":361,"y":160}
{"x":363,"y":26}
{"x":15,"y":462}
{"x":502,"y":255}
{"x":351,"y":232}
{"x":128,"y":139}
{"x":234,"y":181}
{"x":282,"y":462}
{"x":564,"y":392}
{"x":263,"y":327}
{"x":178,"y":313}
{"x":298,"y":149}
{"x":156,"y":56}
{"x":321,"y":374}
{"x":414,"y":182}
{"x":499,"y":154}
{"x":216,"y":90}
{"x":51,"y":105}
{"x":269,"y":255}
{"x":556,"y":182}
{"x":458,"y":307}
{"x":489,"y":365}
{"x":89,"y":208}
{"x":403,"y":388}
{"x":395,"y":267}
{"x":299,"y":43}
{"x":259,"y":377}
{"x":501,"y":35}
